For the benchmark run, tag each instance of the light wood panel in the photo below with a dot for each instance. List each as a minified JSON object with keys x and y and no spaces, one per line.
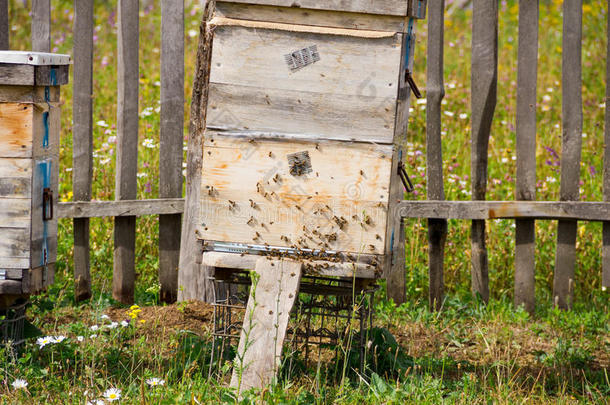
{"x":15,"y":212}
{"x":16,"y":121}
{"x":304,"y":16}
{"x":15,"y":248}
{"x":349,"y":181}
{"x":388,"y":7}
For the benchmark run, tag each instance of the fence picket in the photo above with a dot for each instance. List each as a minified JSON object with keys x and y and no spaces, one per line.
{"x":484,"y":94}
{"x":82,"y":140}
{"x":606,"y":225}
{"x":4,"y":25}
{"x":527,"y":77}
{"x":435,"y":91}
{"x":172,"y":130}
{"x":41,"y":25}
{"x":565,"y":257}
{"x":127,"y":149}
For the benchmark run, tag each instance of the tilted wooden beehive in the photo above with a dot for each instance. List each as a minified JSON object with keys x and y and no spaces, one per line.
{"x":307,"y":105}
{"x":29,"y":159}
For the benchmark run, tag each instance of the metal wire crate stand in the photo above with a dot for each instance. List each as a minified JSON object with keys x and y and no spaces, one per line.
{"x":329,"y":312}
{"x":12,"y":323}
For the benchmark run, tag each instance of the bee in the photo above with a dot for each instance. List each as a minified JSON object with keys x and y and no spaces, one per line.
{"x":251,"y":140}
{"x":276,"y":178}
{"x":211,"y":190}
{"x":273,"y":193}
{"x":362,"y":172}
{"x":250,"y":221}
{"x":317,"y":175}
{"x":378,"y":237}
{"x":252,"y":204}
{"x":367,"y":220}
{"x":271,"y":223}
{"x":298,"y":208}
{"x":317,"y":146}
{"x":355,"y":217}
{"x":266,"y":195}
{"x":327,"y":207}
{"x":209,"y":153}
{"x":258,"y":187}
{"x":232,"y":204}
{"x":270,"y":154}
{"x":258,"y":235}
{"x":372,"y":247}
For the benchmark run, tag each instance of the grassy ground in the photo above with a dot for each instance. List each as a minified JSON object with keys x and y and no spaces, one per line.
{"x":469,"y":353}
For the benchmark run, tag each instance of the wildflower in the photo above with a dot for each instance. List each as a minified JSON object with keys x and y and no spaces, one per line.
{"x":504,"y":160}
{"x":112,"y":139}
{"x":43,"y":341}
{"x":105,"y":161}
{"x":463,"y":116}
{"x":19,"y":384}
{"x":112,"y":394}
{"x":148,"y":143}
{"x":93,"y":336}
{"x":449,"y":113}
{"x":192,"y":33}
{"x":124,"y":324}
{"x":546,"y":98}
{"x":153,"y":382}
{"x":104,"y":316}
{"x":141,"y":175}
{"x":421,"y":101}
{"x":146,"y":112}
{"x":80,"y":338}
{"x":112,"y":325}
{"x":59,"y":339}
{"x":102,"y":123}
{"x":94,"y":328}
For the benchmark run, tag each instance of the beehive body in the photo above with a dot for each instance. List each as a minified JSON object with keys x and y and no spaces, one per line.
{"x":304,"y":111}
{"x":29,"y":159}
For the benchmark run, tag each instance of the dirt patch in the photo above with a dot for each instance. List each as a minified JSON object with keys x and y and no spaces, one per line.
{"x":193,"y":316}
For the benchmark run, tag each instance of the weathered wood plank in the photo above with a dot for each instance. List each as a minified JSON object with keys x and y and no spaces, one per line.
{"x":51,"y":75}
{"x":82,"y":141}
{"x":193,"y":279}
{"x":272,"y":297}
{"x":16,"y":75}
{"x":385,"y":7}
{"x":304,"y":114}
{"x":125,"y":208}
{"x":15,"y":178}
{"x":15,"y":248}
{"x":37,"y":279}
{"x":606,"y":225}
{"x":319,"y":18}
{"x":565,"y":257}
{"x":15,"y":213}
{"x":484,"y":93}
{"x":435,"y":91}
{"x":527,"y":78}
{"x":484,"y":210}
{"x":256,"y":57}
{"x":394,"y":266}
{"x":9,"y":287}
{"x":28,"y":94}
{"x":250,"y":196}
{"x":127,"y":148}
{"x":41,"y":25}
{"x":172,"y":134}
{"x":317,"y":267}
{"x":16,"y":130}
{"x":4,"y":26}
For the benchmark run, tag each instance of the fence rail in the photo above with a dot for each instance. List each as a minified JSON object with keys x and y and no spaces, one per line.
{"x":525,"y":210}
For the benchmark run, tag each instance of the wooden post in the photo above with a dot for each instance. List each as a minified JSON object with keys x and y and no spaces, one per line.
{"x":41,"y":25}
{"x":435,"y":91}
{"x":4,"y":26}
{"x":606,"y":225}
{"x":271,"y":299}
{"x":193,"y":279}
{"x":82,"y":140}
{"x":527,"y":77}
{"x":484,"y":93}
{"x":127,"y":149}
{"x":172,"y":133}
{"x":565,"y":257}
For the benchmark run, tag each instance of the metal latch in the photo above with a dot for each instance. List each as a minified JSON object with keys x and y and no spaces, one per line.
{"x":47,"y":204}
{"x":2,"y":274}
{"x":412,"y":85}
{"x":406,"y":181}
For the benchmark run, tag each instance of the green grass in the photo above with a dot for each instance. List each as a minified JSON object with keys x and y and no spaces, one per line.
{"x":469,"y":353}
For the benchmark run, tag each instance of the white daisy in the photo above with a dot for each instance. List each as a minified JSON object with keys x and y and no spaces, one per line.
{"x":80,"y":338}
{"x":59,"y":339}
{"x":154,"y":382}
{"x":43,"y":341}
{"x":19,"y":384}
{"x":124,"y":324}
{"x":112,"y":394}
{"x":112,"y":325}
{"x":94,"y":328}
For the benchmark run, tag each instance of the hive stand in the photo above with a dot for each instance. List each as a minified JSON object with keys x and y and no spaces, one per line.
{"x":301,"y":109}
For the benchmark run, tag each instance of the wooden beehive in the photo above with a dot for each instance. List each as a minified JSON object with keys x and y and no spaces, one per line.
{"x":307,"y":104}
{"x":29,"y":159}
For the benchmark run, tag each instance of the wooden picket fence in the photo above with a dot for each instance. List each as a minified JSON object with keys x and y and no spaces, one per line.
{"x":525,"y":210}
{"x":125,"y":209}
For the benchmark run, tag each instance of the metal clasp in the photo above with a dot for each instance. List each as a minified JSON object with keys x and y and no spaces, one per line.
{"x":406,"y":181}
{"x":47,"y":204}
{"x":412,"y":85}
